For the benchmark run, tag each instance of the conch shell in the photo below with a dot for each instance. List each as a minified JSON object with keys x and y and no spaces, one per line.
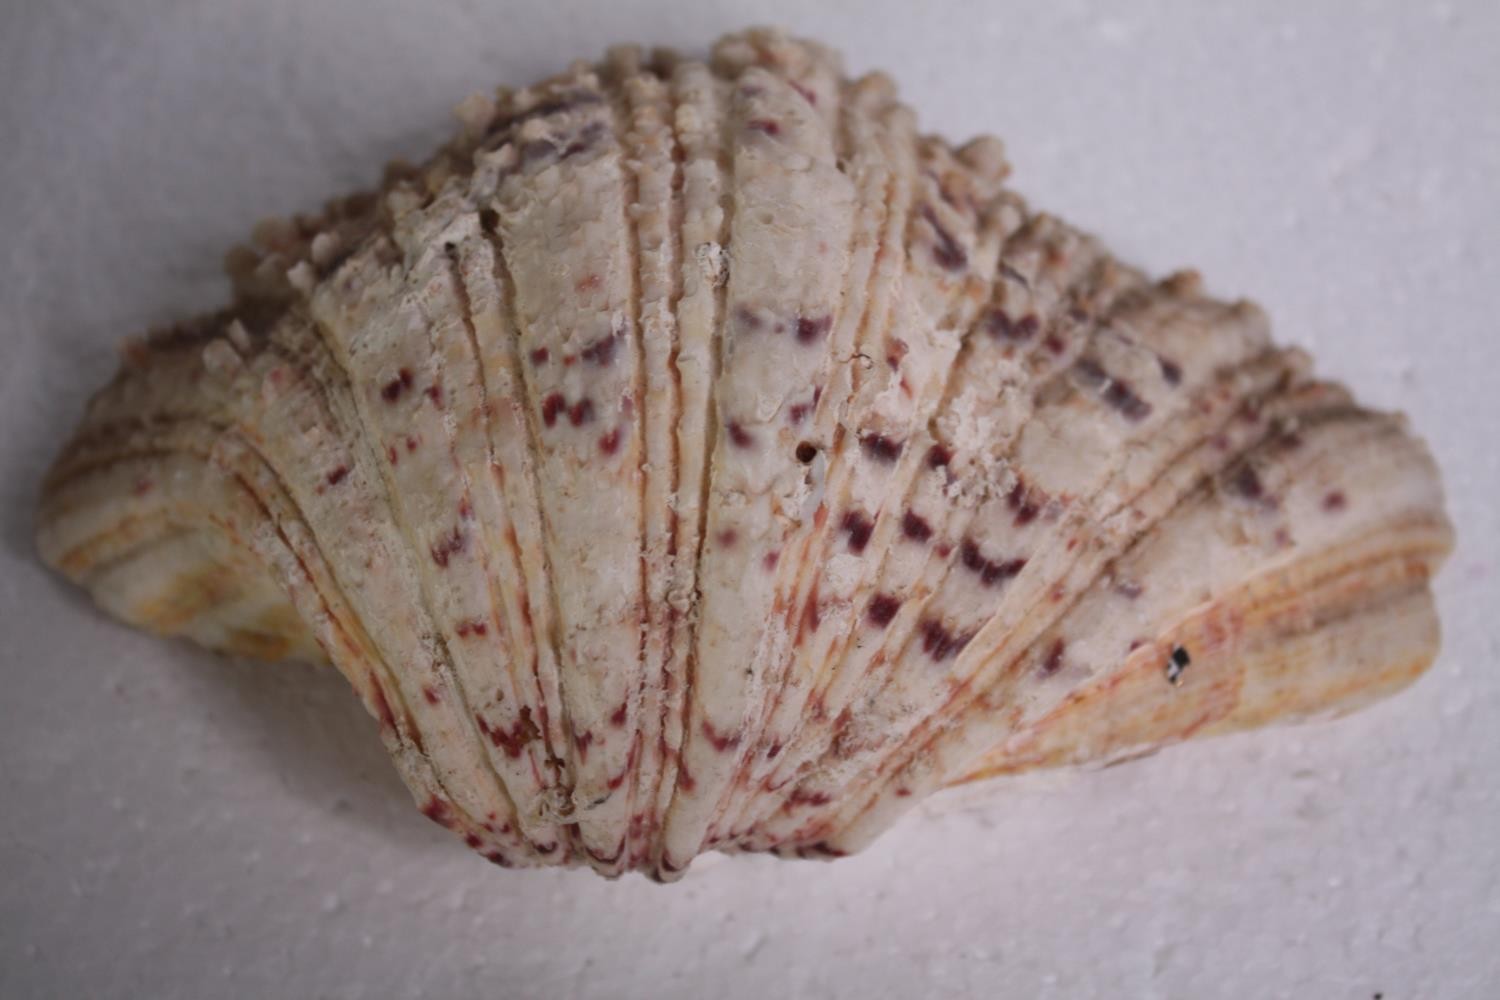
{"x":692,"y":456}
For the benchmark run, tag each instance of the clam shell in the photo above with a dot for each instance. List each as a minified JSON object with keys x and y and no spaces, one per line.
{"x":693,"y":456}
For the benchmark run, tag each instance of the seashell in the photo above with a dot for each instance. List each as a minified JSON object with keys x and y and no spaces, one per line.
{"x":690,"y":456}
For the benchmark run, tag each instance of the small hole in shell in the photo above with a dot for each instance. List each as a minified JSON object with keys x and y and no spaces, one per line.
{"x":806,"y":452}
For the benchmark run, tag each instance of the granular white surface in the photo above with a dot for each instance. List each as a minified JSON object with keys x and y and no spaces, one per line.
{"x":173,"y":825}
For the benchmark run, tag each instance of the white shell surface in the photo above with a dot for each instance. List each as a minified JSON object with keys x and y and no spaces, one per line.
{"x":692,"y":457}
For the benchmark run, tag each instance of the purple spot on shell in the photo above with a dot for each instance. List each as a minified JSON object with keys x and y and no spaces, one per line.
{"x":880,"y":447}
{"x":915,"y":527}
{"x":437,"y":810}
{"x":995,"y":572}
{"x":462,"y":629}
{"x":1052,"y":663}
{"x":513,"y":742}
{"x":540,"y":356}
{"x":765,"y":126}
{"x":1017,"y":494}
{"x":1171,"y":371}
{"x":799,"y":797}
{"x":991,"y":571}
{"x":720,"y":741}
{"x":882,"y":610}
{"x":939,"y":642}
{"x":1120,"y":396}
{"x":945,"y":249}
{"x":1002,"y":327}
{"x":938,"y":456}
{"x":551,"y":407}
{"x":859,"y":526}
{"x":337,"y":475}
{"x":448,"y":546}
{"x":740,"y":437}
{"x":1246,"y":483}
{"x":581,"y":412}
{"x":602,"y":351}
{"x":1115,"y":392}
{"x":811,"y":330}
{"x":393,"y":389}
{"x":896,"y":350}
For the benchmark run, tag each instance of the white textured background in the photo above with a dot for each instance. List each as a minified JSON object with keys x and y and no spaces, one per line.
{"x":176,"y":826}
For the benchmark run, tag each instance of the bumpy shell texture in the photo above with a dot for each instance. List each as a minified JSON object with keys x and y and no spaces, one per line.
{"x":691,"y":456}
